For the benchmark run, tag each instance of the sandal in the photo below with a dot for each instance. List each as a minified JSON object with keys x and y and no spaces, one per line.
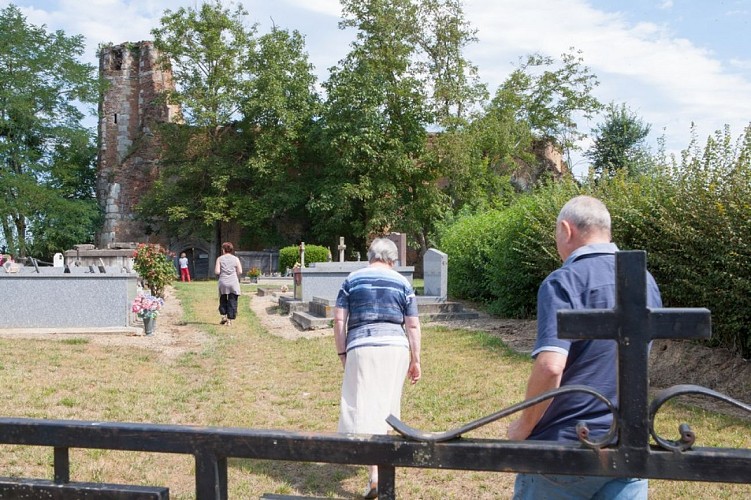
{"x":224,"y":320}
{"x":371,"y":490}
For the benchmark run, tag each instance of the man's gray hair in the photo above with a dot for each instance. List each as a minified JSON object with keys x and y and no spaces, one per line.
{"x":586,"y":213}
{"x":383,"y":249}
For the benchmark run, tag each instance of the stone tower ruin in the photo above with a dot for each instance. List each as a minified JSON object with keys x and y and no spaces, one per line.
{"x":128,"y":149}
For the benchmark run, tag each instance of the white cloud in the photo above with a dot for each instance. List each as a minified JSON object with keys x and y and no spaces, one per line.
{"x":669,"y":81}
{"x":666,"y":4}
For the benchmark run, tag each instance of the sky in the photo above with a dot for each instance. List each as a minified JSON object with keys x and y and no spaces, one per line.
{"x":672,"y":62}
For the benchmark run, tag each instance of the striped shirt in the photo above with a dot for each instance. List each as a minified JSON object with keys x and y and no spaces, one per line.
{"x":377,"y":300}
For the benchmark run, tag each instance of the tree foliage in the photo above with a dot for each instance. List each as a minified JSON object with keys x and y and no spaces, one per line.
{"x":619,"y":143}
{"x":46,"y":156}
{"x":250,"y":106}
{"x":550,"y":96}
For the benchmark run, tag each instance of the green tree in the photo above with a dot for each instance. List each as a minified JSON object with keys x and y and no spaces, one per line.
{"x":551,"y":96}
{"x":375,"y":123}
{"x":207,"y":49}
{"x":443,"y":35}
{"x":250,"y":107}
{"x":46,"y":161}
{"x":405,"y":74}
{"x":279,"y":117}
{"x":619,"y":143}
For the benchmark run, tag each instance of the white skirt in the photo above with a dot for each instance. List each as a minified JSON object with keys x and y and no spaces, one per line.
{"x":372,"y":388}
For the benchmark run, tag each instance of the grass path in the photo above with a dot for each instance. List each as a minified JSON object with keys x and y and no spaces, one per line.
{"x":244,"y":377}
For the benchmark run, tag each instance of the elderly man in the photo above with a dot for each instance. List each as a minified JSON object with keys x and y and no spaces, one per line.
{"x":586,"y":280}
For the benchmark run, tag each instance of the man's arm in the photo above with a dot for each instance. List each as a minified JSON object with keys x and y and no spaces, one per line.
{"x":546,"y":375}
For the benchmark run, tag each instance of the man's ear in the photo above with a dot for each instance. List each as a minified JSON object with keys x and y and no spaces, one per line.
{"x":567,"y":230}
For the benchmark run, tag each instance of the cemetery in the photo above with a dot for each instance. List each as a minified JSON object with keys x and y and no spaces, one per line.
{"x":101,"y":400}
{"x":213,"y":449}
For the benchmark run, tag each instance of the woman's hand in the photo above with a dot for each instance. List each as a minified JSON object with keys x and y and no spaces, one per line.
{"x":415,"y":371}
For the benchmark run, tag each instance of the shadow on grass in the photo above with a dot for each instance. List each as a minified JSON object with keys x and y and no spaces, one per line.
{"x":305,"y":478}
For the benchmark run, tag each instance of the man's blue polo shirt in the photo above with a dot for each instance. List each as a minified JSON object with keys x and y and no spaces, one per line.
{"x":585,"y":281}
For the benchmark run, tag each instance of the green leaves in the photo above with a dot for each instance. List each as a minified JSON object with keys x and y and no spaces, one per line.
{"x":46,"y":157}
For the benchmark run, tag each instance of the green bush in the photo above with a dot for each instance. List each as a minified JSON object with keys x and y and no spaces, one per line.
{"x":468,"y":243}
{"x":155,"y":267}
{"x":526,"y":250}
{"x":692,"y":219}
{"x":288,"y":256}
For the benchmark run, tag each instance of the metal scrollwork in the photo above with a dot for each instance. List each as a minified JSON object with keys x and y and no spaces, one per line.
{"x":688,"y":438}
{"x":582,"y":430}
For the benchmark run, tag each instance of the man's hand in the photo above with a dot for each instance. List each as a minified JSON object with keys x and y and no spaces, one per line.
{"x":516,"y":432}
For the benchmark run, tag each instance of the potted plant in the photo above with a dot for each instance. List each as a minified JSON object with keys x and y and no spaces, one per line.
{"x":253,"y":274}
{"x":147,"y":308}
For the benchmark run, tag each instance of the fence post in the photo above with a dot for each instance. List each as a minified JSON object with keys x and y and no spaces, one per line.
{"x":211,"y":477}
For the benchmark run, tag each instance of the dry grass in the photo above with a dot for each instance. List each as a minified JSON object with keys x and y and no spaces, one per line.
{"x":242,"y":376}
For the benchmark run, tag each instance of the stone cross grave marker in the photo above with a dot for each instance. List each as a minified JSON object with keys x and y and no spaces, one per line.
{"x":633,"y":325}
{"x":342,"y":247}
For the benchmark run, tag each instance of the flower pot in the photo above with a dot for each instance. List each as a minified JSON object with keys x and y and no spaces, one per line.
{"x":149,"y":324}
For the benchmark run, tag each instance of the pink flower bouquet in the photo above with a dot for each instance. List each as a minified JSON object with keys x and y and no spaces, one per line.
{"x":147,"y":306}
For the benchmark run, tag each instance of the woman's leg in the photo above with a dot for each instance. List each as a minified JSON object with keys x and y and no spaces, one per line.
{"x":231,"y":306}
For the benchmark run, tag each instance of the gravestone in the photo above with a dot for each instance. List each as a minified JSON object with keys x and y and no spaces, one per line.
{"x":400,"y":239}
{"x":57,"y":260}
{"x":435,"y":273}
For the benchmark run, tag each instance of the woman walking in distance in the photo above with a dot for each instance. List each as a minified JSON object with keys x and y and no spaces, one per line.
{"x":229,"y":269}
{"x":377,"y":335}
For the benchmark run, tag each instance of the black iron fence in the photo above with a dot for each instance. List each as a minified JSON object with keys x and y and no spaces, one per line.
{"x":631,"y":323}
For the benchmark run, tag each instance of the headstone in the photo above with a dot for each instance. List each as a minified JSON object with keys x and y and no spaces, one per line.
{"x":435,"y":274}
{"x":302,"y":254}
{"x":57,"y":260}
{"x":342,"y":247}
{"x":400,"y":239}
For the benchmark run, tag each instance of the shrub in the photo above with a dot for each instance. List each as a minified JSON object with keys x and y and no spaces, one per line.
{"x":290,"y":255}
{"x":155,"y":266}
{"x":468,"y":243}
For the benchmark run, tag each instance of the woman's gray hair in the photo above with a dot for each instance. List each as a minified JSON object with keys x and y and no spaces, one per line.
{"x":383,"y":249}
{"x":586,"y":213}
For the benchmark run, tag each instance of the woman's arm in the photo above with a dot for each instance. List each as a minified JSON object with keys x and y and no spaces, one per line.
{"x":238,"y":267}
{"x":217,"y":267}
{"x":414,"y":335}
{"x":340,"y":332}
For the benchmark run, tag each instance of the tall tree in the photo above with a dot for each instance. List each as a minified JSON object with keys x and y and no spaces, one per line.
{"x":250,"y":106}
{"x":47,"y":173}
{"x":406,"y":73}
{"x":279,"y":117}
{"x":619,"y":143}
{"x":550,"y":96}
{"x":453,"y":80}
{"x":207,"y":49}
{"x":375,"y":120}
